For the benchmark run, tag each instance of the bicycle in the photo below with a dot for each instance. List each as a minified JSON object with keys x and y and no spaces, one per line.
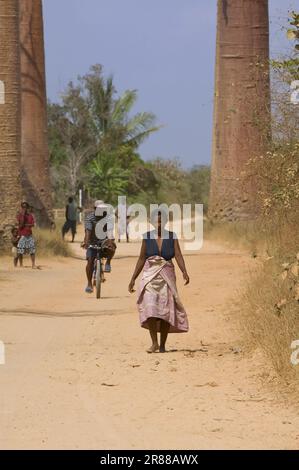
{"x":98,"y":272}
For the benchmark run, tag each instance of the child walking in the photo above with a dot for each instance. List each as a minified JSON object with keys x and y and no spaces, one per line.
{"x":15,"y":237}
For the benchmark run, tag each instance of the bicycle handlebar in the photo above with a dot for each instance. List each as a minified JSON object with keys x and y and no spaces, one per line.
{"x":95,"y":247}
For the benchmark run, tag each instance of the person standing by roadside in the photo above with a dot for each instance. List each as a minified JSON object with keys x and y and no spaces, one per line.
{"x":26,"y":243}
{"x":71,"y":215}
{"x":14,"y":241}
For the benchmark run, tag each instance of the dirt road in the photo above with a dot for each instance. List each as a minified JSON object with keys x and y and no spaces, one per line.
{"x":77,"y":374}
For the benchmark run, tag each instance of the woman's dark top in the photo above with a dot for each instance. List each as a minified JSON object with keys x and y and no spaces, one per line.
{"x":167,"y":248}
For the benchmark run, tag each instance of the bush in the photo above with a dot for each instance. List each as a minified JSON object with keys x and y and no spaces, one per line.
{"x":277,"y":179}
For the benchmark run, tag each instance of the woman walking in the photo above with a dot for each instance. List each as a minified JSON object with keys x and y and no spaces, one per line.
{"x":160,"y":309}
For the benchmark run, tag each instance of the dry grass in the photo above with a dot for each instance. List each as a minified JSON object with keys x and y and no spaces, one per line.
{"x":240,"y":235}
{"x":269,"y":327}
{"x":50,"y":243}
{"x":266,"y":326}
{"x":260,"y":237}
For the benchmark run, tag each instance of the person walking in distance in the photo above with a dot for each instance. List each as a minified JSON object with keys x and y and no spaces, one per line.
{"x":15,"y":237}
{"x":71,"y":215}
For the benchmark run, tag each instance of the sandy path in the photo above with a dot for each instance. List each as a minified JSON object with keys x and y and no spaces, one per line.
{"x":76,"y":374}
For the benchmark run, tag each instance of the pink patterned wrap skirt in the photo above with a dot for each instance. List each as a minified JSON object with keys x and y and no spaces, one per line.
{"x":158,"y":296}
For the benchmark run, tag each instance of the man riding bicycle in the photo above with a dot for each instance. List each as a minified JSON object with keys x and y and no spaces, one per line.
{"x":91,"y":221}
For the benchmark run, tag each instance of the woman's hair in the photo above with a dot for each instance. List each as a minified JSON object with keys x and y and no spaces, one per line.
{"x":155,"y":214}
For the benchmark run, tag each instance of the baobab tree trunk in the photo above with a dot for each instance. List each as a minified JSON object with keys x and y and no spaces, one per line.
{"x":35,"y":152}
{"x":10,"y":116}
{"x":241,"y":106}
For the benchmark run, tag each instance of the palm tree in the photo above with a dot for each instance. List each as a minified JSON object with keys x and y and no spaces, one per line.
{"x":241,"y":107}
{"x":92,"y":127}
{"x":134,"y":130}
{"x":35,"y":153}
{"x":10,"y":115}
{"x":112,"y":117}
{"x":107,"y":179}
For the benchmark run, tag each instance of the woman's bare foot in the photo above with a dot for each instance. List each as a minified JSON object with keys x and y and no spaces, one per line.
{"x":153,"y":348}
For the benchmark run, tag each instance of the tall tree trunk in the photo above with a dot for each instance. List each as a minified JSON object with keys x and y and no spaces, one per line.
{"x":35,"y":152}
{"x":241,"y":106}
{"x":10,"y":116}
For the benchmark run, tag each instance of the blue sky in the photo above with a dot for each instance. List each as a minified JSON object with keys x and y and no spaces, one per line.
{"x":163,"y":48}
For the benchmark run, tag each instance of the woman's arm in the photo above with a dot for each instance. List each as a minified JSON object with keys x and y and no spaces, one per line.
{"x":139,"y":266}
{"x":180,"y":260}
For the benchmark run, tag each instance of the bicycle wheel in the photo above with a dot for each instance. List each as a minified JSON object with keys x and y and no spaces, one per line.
{"x":94,"y":274}
{"x":99,"y":279}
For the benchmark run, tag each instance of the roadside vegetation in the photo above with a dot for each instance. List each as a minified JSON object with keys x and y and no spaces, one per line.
{"x":94,"y":139}
{"x":271,"y":301}
{"x":50,"y":243}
